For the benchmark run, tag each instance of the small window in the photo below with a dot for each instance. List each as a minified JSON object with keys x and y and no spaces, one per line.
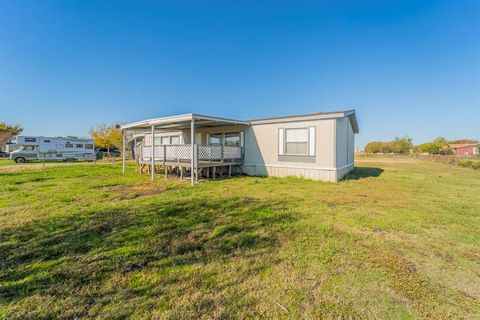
{"x":165,"y":140}
{"x":175,"y":139}
{"x":30,"y":139}
{"x":215,"y":139}
{"x":232,"y":139}
{"x":158,"y":140}
{"x":68,"y":145}
{"x":46,"y":141}
{"x":80,"y":146}
{"x":88,"y":146}
{"x":296,"y":141}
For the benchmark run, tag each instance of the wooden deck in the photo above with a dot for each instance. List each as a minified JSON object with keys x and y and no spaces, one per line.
{"x":210,"y":161}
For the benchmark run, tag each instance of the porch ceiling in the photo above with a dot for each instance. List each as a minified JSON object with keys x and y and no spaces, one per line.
{"x":182,"y":121}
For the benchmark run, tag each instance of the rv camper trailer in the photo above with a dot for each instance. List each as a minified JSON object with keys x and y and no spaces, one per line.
{"x":53,"y":149}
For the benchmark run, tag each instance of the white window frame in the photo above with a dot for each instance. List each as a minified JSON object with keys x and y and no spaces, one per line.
{"x":223,"y":136}
{"x":285,"y":142}
{"x":163,"y":138}
{"x":311,"y":144}
{"x":175,"y":136}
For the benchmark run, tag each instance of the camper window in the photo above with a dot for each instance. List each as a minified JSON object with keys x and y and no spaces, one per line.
{"x":88,"y":146}
{"x":68,"y":145}
{"x":79,"y":146}
{"x":30,"y":139}
{"x":175,"y":139}
{"x":46,"y":141}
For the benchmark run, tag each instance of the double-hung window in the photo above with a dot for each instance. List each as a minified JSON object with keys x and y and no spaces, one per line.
{"x":296,"y":141}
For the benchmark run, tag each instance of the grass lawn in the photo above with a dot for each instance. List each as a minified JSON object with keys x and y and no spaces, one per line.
{"x":400,"y":239}
{"x":6,"y":162}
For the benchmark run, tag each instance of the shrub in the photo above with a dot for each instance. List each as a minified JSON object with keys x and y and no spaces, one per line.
{"x":429,"y":147}
{"x":469,"y":164}
{"x":398,"y":146}
{"x":374,"y":147}
{"x":402,"y":145}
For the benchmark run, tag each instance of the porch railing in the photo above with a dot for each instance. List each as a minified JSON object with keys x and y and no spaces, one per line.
{"x":184,"y":153}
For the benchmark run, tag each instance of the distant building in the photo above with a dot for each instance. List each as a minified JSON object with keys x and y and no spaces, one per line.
{"x":467,"y":149}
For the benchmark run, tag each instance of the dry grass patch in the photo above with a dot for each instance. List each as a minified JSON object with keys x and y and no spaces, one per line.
{"x":137,"y":189}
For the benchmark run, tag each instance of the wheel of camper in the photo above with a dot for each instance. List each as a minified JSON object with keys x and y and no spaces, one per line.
{"x":20,"y":160}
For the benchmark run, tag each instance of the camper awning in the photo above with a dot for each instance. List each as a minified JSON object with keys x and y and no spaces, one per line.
{"x":182,"y":121}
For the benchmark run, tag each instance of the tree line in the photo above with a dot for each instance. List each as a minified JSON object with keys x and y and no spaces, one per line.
{"x":440,"y":145}
{"x":397,"y":146}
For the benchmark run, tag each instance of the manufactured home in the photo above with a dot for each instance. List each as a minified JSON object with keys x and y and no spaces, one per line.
{"x":315,"y":146}
{"x":52,"y":148}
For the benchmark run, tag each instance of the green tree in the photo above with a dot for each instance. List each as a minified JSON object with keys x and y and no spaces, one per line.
{"x":107,"y":136}
{"x":441,"y":140}
{"x":387,"y":147}
{"x":373,"y":147}
{"x":429,"y":147}
{"x":8,"y":131}
{"x":402,"y":145}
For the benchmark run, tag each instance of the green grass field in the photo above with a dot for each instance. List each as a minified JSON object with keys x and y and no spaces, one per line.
{"x":400,"y":239}
{"x":6,"y":162}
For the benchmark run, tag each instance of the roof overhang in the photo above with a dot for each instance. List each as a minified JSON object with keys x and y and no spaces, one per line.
{"x":182,"y":121}
{"x":353,"y":120}
{"x":311,"y":117}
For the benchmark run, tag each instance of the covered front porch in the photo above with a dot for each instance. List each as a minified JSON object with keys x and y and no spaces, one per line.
{"x":192,"y":146}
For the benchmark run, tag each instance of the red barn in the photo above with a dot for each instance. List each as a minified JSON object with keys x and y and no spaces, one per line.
{"x":467,"y":149}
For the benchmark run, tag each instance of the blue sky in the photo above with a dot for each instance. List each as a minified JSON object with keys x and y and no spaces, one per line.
{"x":407,"y":67}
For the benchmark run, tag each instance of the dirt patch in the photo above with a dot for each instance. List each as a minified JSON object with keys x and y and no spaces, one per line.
{"x":137,"y":190}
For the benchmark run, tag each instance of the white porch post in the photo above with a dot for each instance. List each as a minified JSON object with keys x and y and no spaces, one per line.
{"x":192,"y":140}
{"x":134,"y":153}
{"x":124,"y":148}
{"x":153,"y":152}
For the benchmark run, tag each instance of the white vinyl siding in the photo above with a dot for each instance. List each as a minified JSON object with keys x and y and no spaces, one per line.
{"x":281,"y":141}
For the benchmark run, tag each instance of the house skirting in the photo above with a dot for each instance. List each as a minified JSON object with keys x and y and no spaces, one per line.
{"x":315,"y":173}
